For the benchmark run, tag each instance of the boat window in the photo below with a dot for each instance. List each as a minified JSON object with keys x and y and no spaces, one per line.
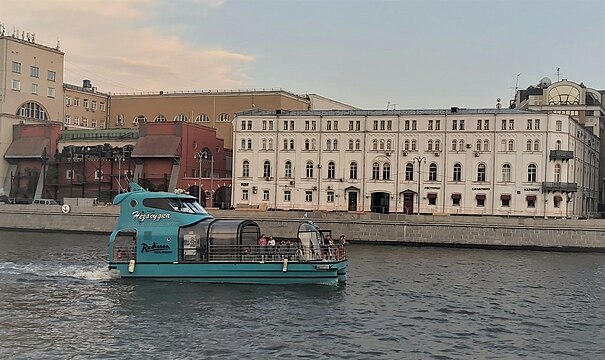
{"x":183,"y":205}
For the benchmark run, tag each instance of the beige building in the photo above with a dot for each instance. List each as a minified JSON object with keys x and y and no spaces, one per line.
{"x":31,"y":88}
{"x":584,"y":104}
{"x":85,"y":107}
{"x":457,"y":161}
{"x":215,"y":109}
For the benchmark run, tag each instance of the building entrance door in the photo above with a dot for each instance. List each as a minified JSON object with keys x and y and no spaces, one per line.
{"x":352,"y":200}
{"x":408,"y":203}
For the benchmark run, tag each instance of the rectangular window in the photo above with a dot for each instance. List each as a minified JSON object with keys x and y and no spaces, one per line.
{"x":461,"y":125}
{"x":98,"y":174}
{"x":313,"y":125}
{"x":84,"y":121}
{"x":503,"y":125}
{"x":382,"y":124}
{"x":505,"y":202}
{"x":244,"y":125}
{"x":437,"y":124}
{"x":330,"y":197}
{"x":358,"y":125}
{"x":307,"y":125}
{"x":35,"y":89}
{"x":454,"y":124}
{"x":16,"y":67}
{"x":456,"y":201}
{"x":270,"y":124}
{"x":287,"y":195}
{"x":375,"y":125}
{"x":432,"y":199}
{"x":67,"y":101}
{"x":308,"y":196}
{"x":335,"y":125}
{"x":407,"y":125}
{"x":350,"y":125}
{"x":390,"y":125}
{"x":292,"y":125}
{"x":485,"y":124}
{"x":94,"y":105}
{"x":16,"y":85}
{"x":51,"y":92}
{"x":265,"y":195}
{"x":329,"y":125}
{"x":245,"y":194}
{"x":34,"y":71}
{"x":511,"y":124}
{"x":93,"y":123}
{"x":67,"y":119}
{"x":76,"y":101}
{"x":480,"y":201}
{"x":430,"y":125}
{"x":414,"y":124}
{"x":530,"y":123}
{"x":102,"y":124}
{"x":559,"y":125}
{"x":285,"y":125}
{"x":85,"y":103}
{"x":68,"y":175}
{"x":479,"y":127}
{"x":77,"y":120}
{"x":531,"y":203}
{"x":537,"y":124}
{"x":249,"y":125}
{"x":51,"y":75}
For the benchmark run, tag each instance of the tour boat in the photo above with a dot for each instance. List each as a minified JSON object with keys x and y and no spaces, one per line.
{"x":170,"y":236}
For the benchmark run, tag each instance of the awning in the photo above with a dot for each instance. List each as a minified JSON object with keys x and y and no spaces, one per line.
{"x":456,"y":196}
{"x":531,"y":197}
{"x":27,"y":148}
{"x":505,"y":197}
{"x":163,"y":146}
{"x":431,"y":195}
{"x":480,"y":196}
{"x":558,"y":198}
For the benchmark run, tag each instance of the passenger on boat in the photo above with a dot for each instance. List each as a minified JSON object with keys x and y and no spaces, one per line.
{"x":271,"y":246}
{"x":343,"y":239}
{"x":327,"y":247}
{"x":262,"y":245}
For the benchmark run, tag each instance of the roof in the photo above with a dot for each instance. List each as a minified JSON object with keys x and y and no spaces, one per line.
{"x":27,"y":148}
{"x":157,"y":146}
{"x":442,"y":112}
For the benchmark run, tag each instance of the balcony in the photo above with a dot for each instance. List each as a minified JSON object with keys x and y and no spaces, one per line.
{"x":559,"y":186}
{"x":561,"y":154}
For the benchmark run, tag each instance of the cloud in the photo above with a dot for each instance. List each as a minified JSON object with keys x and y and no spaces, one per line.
{"x":111,"y":43}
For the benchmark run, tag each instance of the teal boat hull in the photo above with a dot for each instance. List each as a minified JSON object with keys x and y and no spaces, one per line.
{"x":268,"y":273}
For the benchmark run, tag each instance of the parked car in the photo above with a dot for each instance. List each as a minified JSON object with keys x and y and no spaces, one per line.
{"x":45,"y":202}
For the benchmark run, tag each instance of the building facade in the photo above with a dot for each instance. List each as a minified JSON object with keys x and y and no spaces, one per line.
{"x":85,"y":107}
{"x":582,"y":103}
{"x":457,"y":161}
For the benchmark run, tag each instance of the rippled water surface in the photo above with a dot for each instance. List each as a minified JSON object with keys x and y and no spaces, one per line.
{"x":57,"y":300}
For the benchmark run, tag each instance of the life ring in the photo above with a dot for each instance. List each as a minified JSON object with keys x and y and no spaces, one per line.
{"x":119,"y":254}
{"x":65,"y":208}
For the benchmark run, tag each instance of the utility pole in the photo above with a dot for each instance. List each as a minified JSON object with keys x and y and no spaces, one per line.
{"x":419,"y":160}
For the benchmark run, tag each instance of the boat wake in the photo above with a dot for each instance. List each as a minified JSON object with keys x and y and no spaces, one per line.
{"x":89,"y":273}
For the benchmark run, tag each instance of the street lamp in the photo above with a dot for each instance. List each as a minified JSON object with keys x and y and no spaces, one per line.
{"x":119,"y":157}
{"x":418,"y":159}
{"x":205,"y":154}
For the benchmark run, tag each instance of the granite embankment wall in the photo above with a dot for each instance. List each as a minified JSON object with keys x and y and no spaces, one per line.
{"x":469,"y":231}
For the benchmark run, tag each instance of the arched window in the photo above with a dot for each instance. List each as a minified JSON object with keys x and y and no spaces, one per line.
{"x":357,"y":144}
{"x":140,"y":119}
{"x":528,"y":145}
{"x":328,"y":144}
{"x":246,"y":168}
{"x":429,"y":146}
{"x":478,"y":147}
{"x":350,"y":144}
{"x":481,"y":172}
{"x":270,"y":144}
{"x":33,"y":110}
{"x":309,"y":169}
{"x":375,"y":171}
{"x":457,"y":172}
{"x":406,"y":145}
{"x":313,"y":144}
{"x":381,"y":144}
{"x":374,"y":144}
{"x":532,"y":172}
{"x":413,"y":145}
{"x":181,"y":117}
{"x":243,"y":143}
{"x":433,"y":172}
{"x":511,"y":145}
{"x":335,"y":144}
{"x":285,"y":144}
{"x":267,"y":168}
{"x":506,"y":173}
{"x":288,"y":169}
{"x":353,"y":170}
{"x":437,"y":145}
{"x":409,"y":171}
{"x":503,"y":145}
{"x":249,"y":143}
{"x":160,"y":118}
{"x":307,"y":144}
{"x":558,"y":145}
{"x":557,"y":177}
{"x":537,"y":145}
{"x":454,"y":145}
{"x":201,"y":118}
{"x":264,"y":144}
{"x":461,"y":145}
{"x":331,"y":170}
{"x":486,"y":145}
{"x":389,"y":144}
{"x":223,"y":117}
{"x":386,"y":171}
{"x":291,"y":144}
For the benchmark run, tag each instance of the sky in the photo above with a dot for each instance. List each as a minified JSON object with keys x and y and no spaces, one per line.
{"x":405,"y":54}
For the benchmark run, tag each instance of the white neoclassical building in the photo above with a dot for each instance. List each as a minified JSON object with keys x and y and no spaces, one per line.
{"x":456,"y":161}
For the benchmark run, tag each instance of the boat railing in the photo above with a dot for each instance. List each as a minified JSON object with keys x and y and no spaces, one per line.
{"x":256,"y":253}
{"x":124,"y":253}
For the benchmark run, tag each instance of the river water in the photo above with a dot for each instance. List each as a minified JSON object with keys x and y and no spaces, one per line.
{"x":57,"y":300}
